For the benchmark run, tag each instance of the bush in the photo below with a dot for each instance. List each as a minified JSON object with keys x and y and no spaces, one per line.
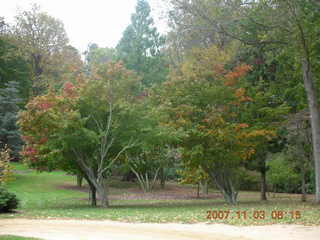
{"x":5,"y":169}
{"x":282,"y":175}
{"x":8,"y":201}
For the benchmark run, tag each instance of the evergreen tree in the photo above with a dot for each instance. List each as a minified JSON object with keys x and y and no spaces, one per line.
{"x":9,"y":134}
{"x":141,"y":46}
{"x":13,"y":67}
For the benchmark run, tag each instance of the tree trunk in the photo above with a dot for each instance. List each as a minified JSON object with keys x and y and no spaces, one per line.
{"x":103,"y":193}
{"x":96,"y":182}
{"x":79,"y":180}
{"x":204,"y":187}
{"x":263,"y":180}
{"x":92,"y":194}
{"x":315,"y":120}
{"x":223,"y":180}
{"x":144,"y":181}
{"x":231,"y":197}
{"x":37,"y":69}
{"x":162,"y":178}
{"x":198,"y":190}
{"x":263,"y":186}
{"x":303,"y":185}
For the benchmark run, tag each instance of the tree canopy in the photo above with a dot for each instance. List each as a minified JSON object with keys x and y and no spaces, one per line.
{"x":230,"y":89}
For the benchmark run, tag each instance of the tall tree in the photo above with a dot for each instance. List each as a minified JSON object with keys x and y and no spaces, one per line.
{"x":64,"y":65}
{"x":303,"y":25}
{"x":39,"y":37}
{"x":278,"y":23}
{"x":300,"y":147}
{"x":14,"y":67}
{"x":3,"y":26}
{"x":9,"y":132}
{"x":205,"y":100}
{"x":141,"y":46}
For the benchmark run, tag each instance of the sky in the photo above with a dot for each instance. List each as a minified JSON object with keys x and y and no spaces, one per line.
{"x":86,"y":21}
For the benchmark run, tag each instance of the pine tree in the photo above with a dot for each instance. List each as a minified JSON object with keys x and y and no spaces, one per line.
{"x":9,"y":133}
{"x":141,"y":46}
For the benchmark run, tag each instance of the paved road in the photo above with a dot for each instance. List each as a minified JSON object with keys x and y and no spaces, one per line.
{"x":109,"y":230}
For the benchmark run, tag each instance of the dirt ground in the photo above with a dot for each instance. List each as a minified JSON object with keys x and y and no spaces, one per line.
{"x":110,"y":230}
{"x":172,"y":191}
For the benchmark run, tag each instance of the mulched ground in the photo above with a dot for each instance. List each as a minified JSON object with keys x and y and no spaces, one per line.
{"x":134,"y":193}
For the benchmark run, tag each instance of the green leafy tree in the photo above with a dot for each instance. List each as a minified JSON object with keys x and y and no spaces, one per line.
{"x":305,"y":19}
{"x":265,"y":112}
{"x":194,"y":175}
{"x":283,"y":26}
{"x":39,"y":36}
{"x":299,"y":149}
{"x":82,"y":129}
{"x":145,"y":165}
{"x":153,"y":153}
{"x":64,"y":65}
{"x":204,"y":101}
{"x":141,"y":46}
{"x":96,"y":55}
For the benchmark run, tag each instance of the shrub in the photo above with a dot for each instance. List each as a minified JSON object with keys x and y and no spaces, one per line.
{"x":8,"y":201}
{"x":5,"y":169}
{"x":282,"y":175}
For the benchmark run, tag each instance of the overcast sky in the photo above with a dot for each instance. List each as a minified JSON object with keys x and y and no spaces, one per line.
{"x":86,"y":21}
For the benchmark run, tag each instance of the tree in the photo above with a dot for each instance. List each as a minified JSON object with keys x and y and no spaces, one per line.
{"x":191,"y":25}
{"x":9,"y":132}
{"x":268,"y":112}
{"x":204,"y":101}
{"x":287,"y":24}
{"x":96,"y":55}
{"x":39,"y":36}
{"x":153,"y":153}
{"x":13,"y":67}
{"x":3,"y":26}
{"x":191,"y":175}
{"x":298,"y":11}
{"x":82,"y":128}
{"x":146,"y":167}
{"x":140,"y":47}
{"x":64,"y":65}
{"x":300,"y":146}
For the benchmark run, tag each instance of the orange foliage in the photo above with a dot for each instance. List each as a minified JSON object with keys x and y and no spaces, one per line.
{"x":241,"y":126}
{"x":238,"y":72}
{"x":230,"y":82}
{"x":246,"y":99}
{"x":219,"y":69}
{"x":240,"y":92}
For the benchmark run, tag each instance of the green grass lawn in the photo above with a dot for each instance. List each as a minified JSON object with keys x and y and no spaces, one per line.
{"x":16,"y":238}
{"x":41,"y":197}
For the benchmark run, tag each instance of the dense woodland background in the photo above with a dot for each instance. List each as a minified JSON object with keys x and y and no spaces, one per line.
{"x":228,"y":97}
